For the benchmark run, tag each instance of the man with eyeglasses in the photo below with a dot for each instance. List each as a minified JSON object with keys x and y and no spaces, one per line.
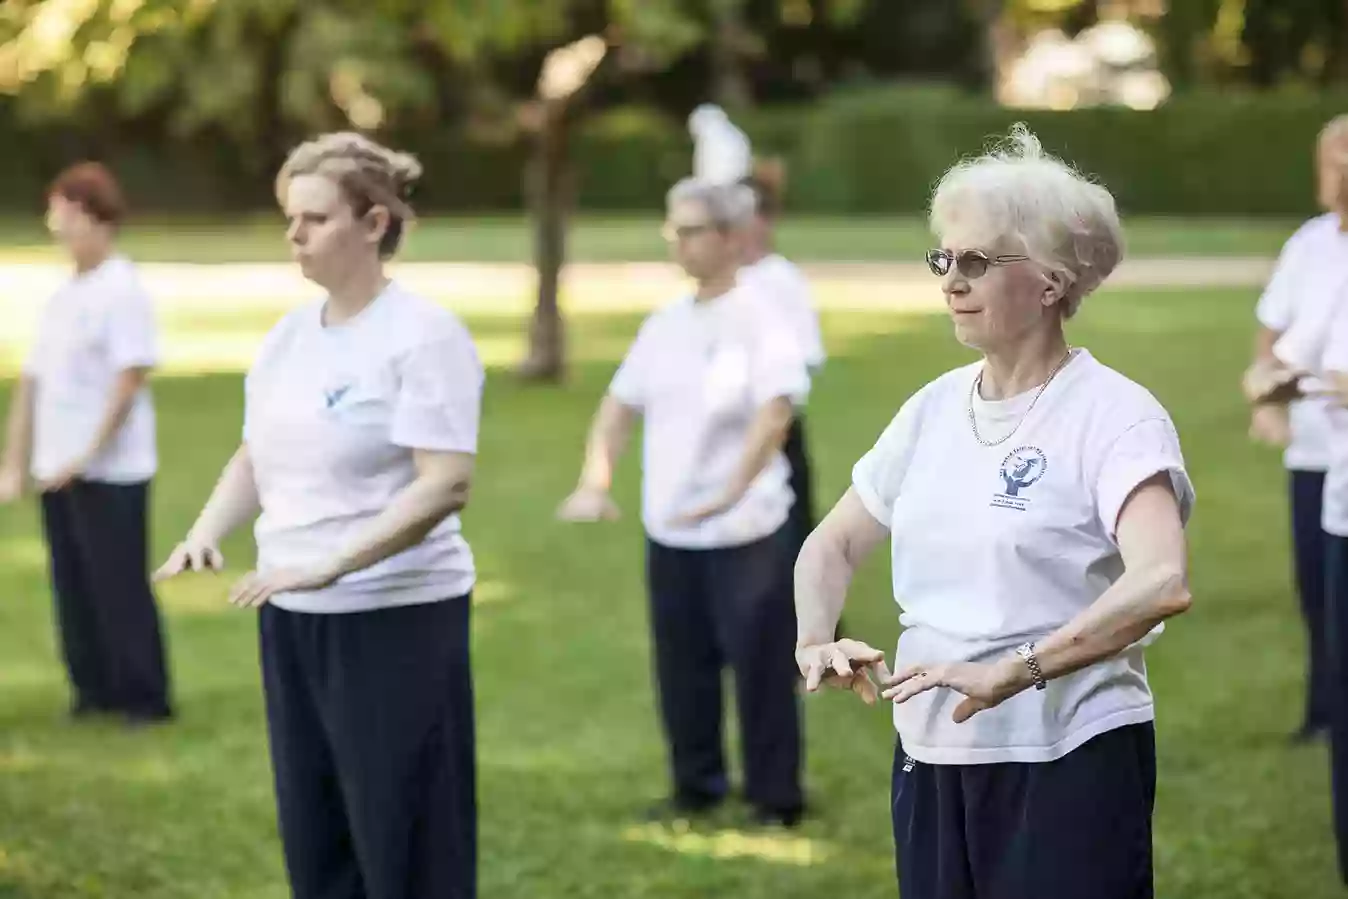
{"x":716,"y":376}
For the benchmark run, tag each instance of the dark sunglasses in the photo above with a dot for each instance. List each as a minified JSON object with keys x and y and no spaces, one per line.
{"x":970,"y":263}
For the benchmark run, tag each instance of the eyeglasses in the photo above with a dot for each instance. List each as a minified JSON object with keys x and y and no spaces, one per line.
{"x":970,"y":263}
{"x":674,"y":233}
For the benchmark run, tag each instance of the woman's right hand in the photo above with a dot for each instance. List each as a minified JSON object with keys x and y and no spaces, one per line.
{"x":1269,"y":425}
{"x":191,"y":555}
{"x":588,"y":504}
{"x":844,"y":664}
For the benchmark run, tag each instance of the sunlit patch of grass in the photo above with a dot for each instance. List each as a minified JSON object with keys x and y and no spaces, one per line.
{"x":777,"y":847}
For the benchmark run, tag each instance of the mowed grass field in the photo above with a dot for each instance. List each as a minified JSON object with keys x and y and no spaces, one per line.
{"x":595,"y":238}
{"x":570,"y":751}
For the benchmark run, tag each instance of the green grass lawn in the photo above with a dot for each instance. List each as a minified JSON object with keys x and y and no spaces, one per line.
{"x":605,"y":239}
{"x":569,"y":745}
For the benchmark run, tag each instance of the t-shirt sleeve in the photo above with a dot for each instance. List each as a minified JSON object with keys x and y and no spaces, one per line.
{"x":805,"y":318}
{"x":1146,"y":449}
{"x":878,"y":476}
{"x":1275,"y":308}
{"x":439,"y":398}
{"x":132,"y":333}
{"x":778,"y":367}
{"x":630,"y":381}
{"x":1334,"y":356}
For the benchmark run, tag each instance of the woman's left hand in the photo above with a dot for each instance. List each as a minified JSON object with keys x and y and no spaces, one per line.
{"x":983,"y":686}
{"x":254,"y":589}
{"x":65,"y":477}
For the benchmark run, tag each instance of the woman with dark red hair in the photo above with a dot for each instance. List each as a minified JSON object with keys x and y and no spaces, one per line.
{"x":82,"y":431}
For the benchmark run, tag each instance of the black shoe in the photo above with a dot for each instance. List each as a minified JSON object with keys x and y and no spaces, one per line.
{"x":681,"y":808}
{"x":1310,"y":733}
{"x":85,"y":711}
{"x":788,"y":818}
{"x":142,"y":720}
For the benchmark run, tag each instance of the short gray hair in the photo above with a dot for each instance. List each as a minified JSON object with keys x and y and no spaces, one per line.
{"x":1018,"y":194}
{"x":727,"y":205}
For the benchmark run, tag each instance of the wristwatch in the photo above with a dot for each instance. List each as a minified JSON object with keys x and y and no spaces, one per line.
{"x":1026,"y":652}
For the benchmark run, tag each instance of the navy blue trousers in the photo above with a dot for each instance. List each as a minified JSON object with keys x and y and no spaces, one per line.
{"x":370,"y":716}
{"x":716,"y":607}
{"x":1306,"y":492}
{"x":802,"y":481}
{"x":1075,"y":828}
{"x":1336,"y":638}
{"x":97,"y":540}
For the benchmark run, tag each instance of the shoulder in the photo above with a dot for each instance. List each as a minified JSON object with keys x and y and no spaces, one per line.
{"x":954,"y":383}
{"x":288,"y":327}
{"x":1113,"y":403}
{"x":775,"y":270}
{"x":418,"y":320}
{"x":120,"y":279}
{"x":950,"y":387}
{"x":665,"y":315}
{"x":1312,"y":230}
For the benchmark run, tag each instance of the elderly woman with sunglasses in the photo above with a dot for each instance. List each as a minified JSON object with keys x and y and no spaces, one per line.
{"x":1035,"y":502}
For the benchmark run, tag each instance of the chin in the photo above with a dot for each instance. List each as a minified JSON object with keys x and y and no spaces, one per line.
{"x":969,"y":337}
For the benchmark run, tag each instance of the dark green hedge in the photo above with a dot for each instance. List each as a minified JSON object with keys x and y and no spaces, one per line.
{"x":871,"y":152}
{"x":1197,"y":155}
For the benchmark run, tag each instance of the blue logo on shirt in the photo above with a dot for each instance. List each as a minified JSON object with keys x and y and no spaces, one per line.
{"x":1021,"y":469}
{"x":333,"y":397}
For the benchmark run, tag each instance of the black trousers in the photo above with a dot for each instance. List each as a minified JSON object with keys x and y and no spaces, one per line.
{"x":716,"y":607}
{"x":371,"y":722}
{"x":1306,"y":492}
{"x":97,"y":541}
{"x":1336,"y":640}
{"x":798,"y":457}
{"x":1075,"y":828}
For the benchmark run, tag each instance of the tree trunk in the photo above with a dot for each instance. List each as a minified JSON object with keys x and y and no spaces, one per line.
{"x":273,"y":45}
{"x":730,"y":85}
{"x":546,"y":359}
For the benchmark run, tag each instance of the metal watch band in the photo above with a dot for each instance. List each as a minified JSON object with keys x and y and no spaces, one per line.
{"x":1026,"y":652}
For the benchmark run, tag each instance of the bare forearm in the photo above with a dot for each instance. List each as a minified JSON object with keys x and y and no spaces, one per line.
{"x":609,"y":435}
{"x":123,"y":396}
{"x":19,"y":426}
{"x":823,"y":575}
{"x":406,"y":521}
{"x":1137,"y":602}
{"x":1264,"y":341}
{"x":233,"y":502}
{"x":766,"y":435}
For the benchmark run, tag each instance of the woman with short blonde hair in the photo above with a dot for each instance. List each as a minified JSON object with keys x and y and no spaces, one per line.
{"x":1034,"y":501}
{"x":1293,"y":315}
{"x":359,"y":437}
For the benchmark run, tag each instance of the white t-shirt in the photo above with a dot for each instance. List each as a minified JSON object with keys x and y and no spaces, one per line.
{"x":96,"y":326}
{"x":1333,"y":359}
{"x":994,"y":546}
{"x":1299,"y":302}
{"x":332,"y":415}
{"x":699,"y":372}
{"x":785,"y":284}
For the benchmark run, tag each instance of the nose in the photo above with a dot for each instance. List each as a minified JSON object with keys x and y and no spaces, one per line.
{"x":954,"y":284}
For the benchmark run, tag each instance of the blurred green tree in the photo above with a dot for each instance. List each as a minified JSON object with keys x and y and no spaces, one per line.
{"x":258,"y":74}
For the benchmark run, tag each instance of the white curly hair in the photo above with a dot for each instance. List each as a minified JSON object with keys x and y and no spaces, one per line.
{"x":1022,"y":199}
